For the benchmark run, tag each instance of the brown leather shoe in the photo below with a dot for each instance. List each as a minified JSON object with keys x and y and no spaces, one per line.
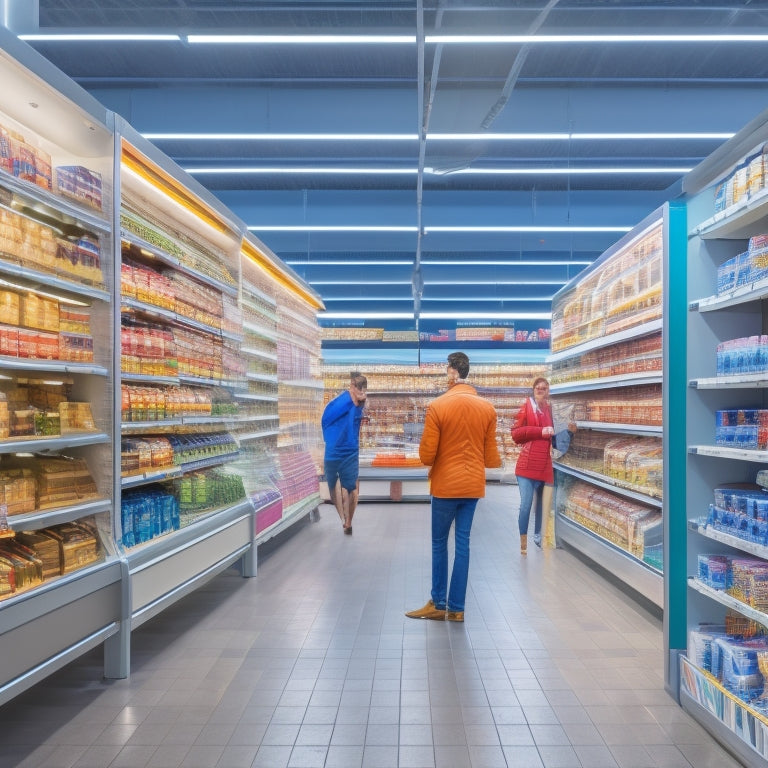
{"x":427,"y":612}
{"x":454,"y":615}
{"x":523,"y":543}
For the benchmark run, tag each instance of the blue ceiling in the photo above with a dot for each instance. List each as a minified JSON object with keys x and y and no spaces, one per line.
{"x":301,"y":191}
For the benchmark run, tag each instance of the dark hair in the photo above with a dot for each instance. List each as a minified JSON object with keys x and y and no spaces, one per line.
{"x":460,"y":362}
{"x":538,"y":381}
{"x":359,"y":381}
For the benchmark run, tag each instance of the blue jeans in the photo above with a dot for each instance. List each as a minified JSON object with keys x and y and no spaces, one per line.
{"x":444,"y":513}
{"x":530,"y":493}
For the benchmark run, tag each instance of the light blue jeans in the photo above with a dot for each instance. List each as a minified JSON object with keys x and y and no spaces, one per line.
{"x":444,"y":513}
{"x":530,"y":494}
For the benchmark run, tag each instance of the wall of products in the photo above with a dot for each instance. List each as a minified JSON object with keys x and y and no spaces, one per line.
{"x":718,"y":659}
{"x":398,"y":396}
{"x":606,"y":375}
{"x":145,"y":336}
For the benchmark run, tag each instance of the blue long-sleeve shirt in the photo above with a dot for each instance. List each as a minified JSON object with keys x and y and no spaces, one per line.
{"x":341,"y":427}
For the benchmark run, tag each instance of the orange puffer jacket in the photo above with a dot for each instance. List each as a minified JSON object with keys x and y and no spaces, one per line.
{"x":458,"y":443}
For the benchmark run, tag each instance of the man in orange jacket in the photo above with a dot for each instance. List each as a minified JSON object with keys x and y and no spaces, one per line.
{"x":458,"y":443}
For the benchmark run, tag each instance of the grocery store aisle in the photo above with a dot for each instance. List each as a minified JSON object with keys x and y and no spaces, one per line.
{"x":312,"y":664}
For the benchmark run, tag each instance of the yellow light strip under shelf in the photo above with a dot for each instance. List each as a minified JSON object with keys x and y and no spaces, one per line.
{"x":255,"y":255}
{"x":136,"y":162}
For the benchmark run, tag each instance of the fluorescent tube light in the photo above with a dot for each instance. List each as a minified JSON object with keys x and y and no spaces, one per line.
{"x":576,"y":136}
{"x":679,"y":136}
{"x":485,"y":316}
{"x":457,"y":228}
{"x":97,"y":37}
{"x":526,"y":229}
{"x":354,"y":171}
{"x":504,"y":263}
{"x":341,"y":171}
{"x":365,"y":315}
{"x":352,"y":263}
{"x":600,"y":39}
{"x":552,"y":171}
{"x":303,"y":39}
{"x":329,"y":228}
{"x":281,"y":136}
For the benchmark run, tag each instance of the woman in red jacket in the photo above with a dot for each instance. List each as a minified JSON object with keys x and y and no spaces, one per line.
{"x":534,"y":430}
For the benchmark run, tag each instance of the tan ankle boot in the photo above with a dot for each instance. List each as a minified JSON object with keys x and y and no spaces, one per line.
{"x":523,"y":543}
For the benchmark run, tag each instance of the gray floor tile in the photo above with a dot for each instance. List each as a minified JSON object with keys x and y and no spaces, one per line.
{"x":312,"y":663}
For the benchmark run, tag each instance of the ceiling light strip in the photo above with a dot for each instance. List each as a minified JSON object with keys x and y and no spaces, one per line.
{"x":97,"y":37}
{"x":320,"y":137}
{"x":319,"y":171}
{"x":529,"y":228}
{"x":281,"y":136}
{"x":302,"y":39}
{"x":490,"y":228}
{"x":393,"y":39}
{"x":330,"y":228}
{"x":343,"y":171}
{"x":599,"y":39}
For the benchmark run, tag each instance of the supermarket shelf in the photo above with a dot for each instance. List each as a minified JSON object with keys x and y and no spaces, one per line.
{"x":739,"y":454}
{"x":268,"y":378}
{"x":88,"y":601}
{"x":250,"y":290}
{"x":257,"y":353}
{"x":290,"y":515}
{"x":752,"y":548}
{"x":57,"y":205}
{"x":756,"y":291}
{"x":166,"y":258}
{"x":302,"y":383}
{"x":736,"y":222}
{"x":255,"y":396}
{"x":609,"y":484}
{"x":255,"y":435}
{"x":35,"y":444}
{"x":744,"y":381}
{"x":729,"y":707}
{"x":51,"y":366}
{"x":147,"y":378}
{"x":623,"y":429}
{"x":151,"y":426}
{"x":167,"y":568}
{"x":266,"y":333}
{"x":607,"y":382}
{"x":721,"y":597}
{"x":31,"y":521}
{"x":608,"y":340}
{"x":38,"y":279}
{"x":640,"y":577}
{"x":169,"y":316}
{"x":172,"y":473}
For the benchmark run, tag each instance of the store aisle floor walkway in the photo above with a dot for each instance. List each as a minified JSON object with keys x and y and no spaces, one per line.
{"x":312,"y":664}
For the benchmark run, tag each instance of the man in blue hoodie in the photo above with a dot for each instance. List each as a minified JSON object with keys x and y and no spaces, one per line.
{"x":341,"y":433}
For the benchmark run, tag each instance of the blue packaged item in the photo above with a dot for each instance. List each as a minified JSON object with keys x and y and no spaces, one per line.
{"x":739,"y":668}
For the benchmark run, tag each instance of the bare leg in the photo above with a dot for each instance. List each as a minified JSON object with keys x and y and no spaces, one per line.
{"x":352,"y":505}
{"x":337,"y":499}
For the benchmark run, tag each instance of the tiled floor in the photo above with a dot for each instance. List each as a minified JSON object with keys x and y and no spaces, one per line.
{"x":313,"y":664}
